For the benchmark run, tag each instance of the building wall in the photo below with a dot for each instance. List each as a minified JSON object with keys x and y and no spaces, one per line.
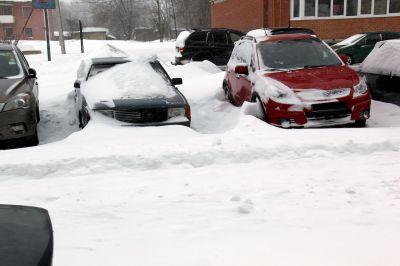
{"x":243,"y":15}
{"x":343,"y":28}
{"x":277,"y":13}
{"x":36,"y":23}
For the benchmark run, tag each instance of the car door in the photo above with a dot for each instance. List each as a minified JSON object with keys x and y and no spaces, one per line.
{"x":240,"y":84}
{"x":364,"y":47}
{"x":197,"y":48}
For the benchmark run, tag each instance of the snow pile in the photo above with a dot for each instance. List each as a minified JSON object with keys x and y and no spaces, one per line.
{"x":180,"y":41}
{"x":258,"y":33}
{"x":384,"y":59}
{"x":137,"y":80}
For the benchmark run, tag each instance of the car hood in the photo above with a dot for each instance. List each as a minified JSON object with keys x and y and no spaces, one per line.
{"x":127,"y":104}
{"x":9,"y":87}
{"x":324,"y":78}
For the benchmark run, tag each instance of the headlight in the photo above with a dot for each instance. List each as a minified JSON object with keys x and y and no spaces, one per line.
{"x":360,"y":89}
{"x":22,"y":100}
{"x":173,"y":112}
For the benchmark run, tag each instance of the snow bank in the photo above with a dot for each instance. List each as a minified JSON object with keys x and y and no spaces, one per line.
{"x":180,"y":41}
{"x":384,"y":59}
{"x":257,"y":33}
{"x":136,"y":80}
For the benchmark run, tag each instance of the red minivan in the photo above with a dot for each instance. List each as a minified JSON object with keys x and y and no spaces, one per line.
{"x":297,"y":81}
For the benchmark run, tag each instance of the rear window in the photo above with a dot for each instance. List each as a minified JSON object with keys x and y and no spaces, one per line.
{"x":8,"y":65}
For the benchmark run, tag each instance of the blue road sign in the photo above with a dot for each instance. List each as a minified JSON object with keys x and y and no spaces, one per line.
{"x":44,"y":4}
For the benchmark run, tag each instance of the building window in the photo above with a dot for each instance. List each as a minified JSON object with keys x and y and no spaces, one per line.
{"x":28,"y":33}
{"x":324,"y":8}
{"x":394,"y":6}
{"x":352,"y":8}
{"x":6,"y":10}
{"x":9,"y":33}
{"x":309,"y":9}
{"x":313,"y":9}
{"x":338,"y":8}
{"x":26,"y":11}
{"x":380,"y":7}
{"x":296,"y":8}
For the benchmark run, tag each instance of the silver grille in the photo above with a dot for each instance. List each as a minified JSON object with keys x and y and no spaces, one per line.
{"x":142,"y":116}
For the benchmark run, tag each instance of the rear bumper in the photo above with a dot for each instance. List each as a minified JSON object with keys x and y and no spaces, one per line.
{"x":17,"y":124}
{"x":280,"y":115}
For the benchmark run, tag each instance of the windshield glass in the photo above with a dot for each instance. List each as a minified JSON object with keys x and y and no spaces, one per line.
{"x":98,"y":68}
{"x":351,"y":40}
{"x":296,"y":54}
{"x":8,"y":65}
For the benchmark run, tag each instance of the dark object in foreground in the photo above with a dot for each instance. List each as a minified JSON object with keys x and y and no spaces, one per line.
{"x":384,"y":88}
{"x":26,"y":236}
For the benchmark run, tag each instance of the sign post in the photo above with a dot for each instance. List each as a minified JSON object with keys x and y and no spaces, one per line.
{"x":45,"y":4}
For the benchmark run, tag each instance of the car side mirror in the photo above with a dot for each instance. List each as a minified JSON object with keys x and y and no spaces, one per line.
{"x":177,"y":81}
{"x":32,"y":73}
{"x":242,"y":69}
{"x":344,"y":58}
{"x":77,"y":84}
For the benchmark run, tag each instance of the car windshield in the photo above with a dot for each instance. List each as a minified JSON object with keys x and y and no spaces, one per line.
{"x":8,"y":65}
{"x":98,"y":68}
{"x":351,"y":40}
{"x":296,"y":54}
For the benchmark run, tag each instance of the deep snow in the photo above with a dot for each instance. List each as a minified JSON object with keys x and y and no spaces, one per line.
{"x":231,"y":190}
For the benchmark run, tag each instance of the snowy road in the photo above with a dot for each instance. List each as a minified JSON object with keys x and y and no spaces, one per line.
{"x":231,"y":190}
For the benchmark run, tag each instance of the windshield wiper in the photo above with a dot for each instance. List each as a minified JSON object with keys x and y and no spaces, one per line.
{"x":276,"y":69}
{"x":3,"y":78}
{"x":316,"y":66}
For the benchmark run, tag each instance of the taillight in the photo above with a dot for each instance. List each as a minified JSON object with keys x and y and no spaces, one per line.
{"x":188,"y":112}
{"x":180,"y":49}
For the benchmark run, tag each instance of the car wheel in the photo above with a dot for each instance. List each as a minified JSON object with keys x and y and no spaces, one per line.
{"x":81,"y":125}
{"x":361,"y":123}
{"x":228,"y":94}
{"x":37,"y":114}
{"x":260,"y":110}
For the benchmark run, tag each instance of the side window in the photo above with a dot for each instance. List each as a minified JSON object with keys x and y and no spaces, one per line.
{"x":373,"y":39}
{"x":197,"y":38}
{"x":390,"y":35}
{"x":235,"y":37}
{"x":220,"y":37}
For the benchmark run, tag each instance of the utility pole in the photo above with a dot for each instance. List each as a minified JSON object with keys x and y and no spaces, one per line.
{"x":61,"y":29}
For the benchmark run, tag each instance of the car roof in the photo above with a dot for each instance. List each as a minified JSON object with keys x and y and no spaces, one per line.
{"x":6,"y":46}
{"x":110,"y":60}
{"x":216,"y":29}
{"x":279,"y":37}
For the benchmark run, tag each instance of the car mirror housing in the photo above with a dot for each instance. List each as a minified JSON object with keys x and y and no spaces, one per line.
{"x":242,"y":69}
{"x":177,"y":81}
{"x":77,"y":84}
{"x":32,"y":73}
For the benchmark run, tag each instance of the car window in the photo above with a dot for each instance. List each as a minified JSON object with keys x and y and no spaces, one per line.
{"x":98,"y":68}
{"x":373,"y":39}
{"x":198,"y":38}
{"x":242,"y":54}
{"x":8,"y":65}
{"x":220,"y":37}
{"x":23,"y":60}
{"x":235,"y":37}
{"x":390,"y":35}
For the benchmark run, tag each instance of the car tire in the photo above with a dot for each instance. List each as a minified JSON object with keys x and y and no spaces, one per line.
{"x":228,"y":94}
{"x":360,"y":123}
{"x":37,"y":113}
{"x":81,"y":125}
{"x":32,"y":140}
{"x":260,"y":114}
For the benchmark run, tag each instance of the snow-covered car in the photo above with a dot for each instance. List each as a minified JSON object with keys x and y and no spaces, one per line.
{"x":134,"y":91}
{"x":19,"y":102}
{"x":382,"y":71}
{"x":297,"y":81}
{"x":26,"y":236}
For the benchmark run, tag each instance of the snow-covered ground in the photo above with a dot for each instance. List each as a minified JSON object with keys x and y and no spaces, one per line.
{"x":231,"y":190}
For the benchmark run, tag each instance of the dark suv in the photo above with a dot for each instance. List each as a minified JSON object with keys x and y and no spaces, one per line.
{"x":19,"y":104}
{"x":214,"y":45}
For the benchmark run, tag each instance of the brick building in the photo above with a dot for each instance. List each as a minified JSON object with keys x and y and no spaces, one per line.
{"x":13,"y":15}
{"x":330,"y":19}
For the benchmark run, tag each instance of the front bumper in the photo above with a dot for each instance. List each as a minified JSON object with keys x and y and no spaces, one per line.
{"x":177,"y":121}
{"x":281,"y":115}
{"x":17,"y":123}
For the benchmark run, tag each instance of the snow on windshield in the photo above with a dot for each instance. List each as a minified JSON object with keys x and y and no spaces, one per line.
{"x":351,"y":40}
{"x":135,"y":79}
{"x":384,"y":59}
{"x":106,"y":50}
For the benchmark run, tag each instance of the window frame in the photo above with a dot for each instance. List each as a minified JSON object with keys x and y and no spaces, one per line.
{"x":344,"y":16}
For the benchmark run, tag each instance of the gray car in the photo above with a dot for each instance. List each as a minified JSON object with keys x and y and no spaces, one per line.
{"x":172,"y":109}
{"x":19,"y":104}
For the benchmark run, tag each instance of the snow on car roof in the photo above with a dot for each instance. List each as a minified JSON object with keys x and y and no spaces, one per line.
{"x":384,"y":59}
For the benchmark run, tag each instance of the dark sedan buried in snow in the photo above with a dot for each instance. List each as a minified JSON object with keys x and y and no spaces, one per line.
{"x":135,"y":92}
